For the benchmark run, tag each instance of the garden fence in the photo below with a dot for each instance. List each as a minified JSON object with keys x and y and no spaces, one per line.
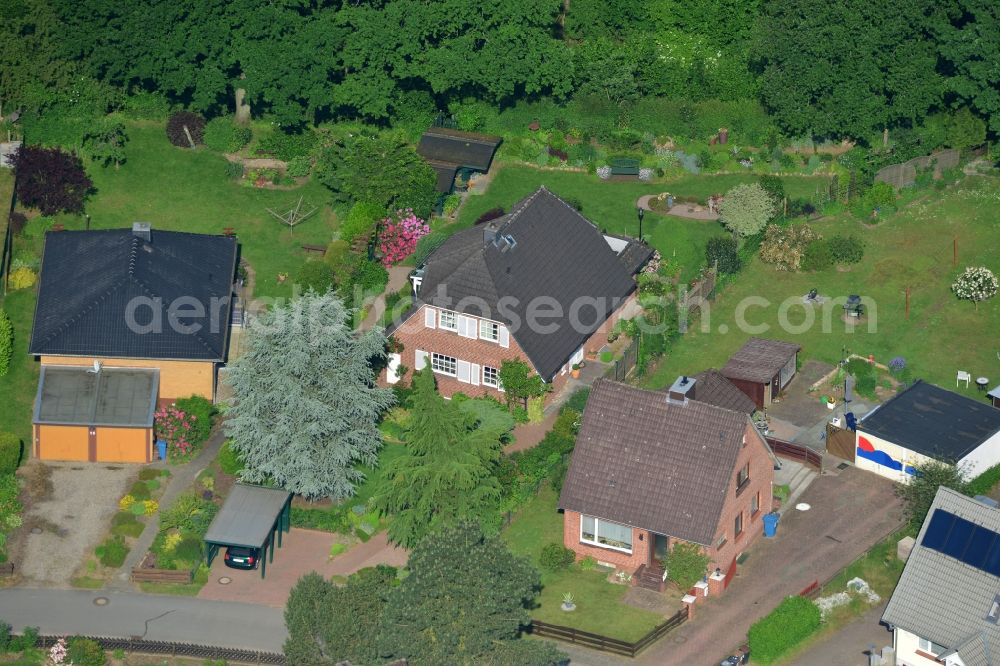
{"x":905,"y":174}
{"x":173,"y":649}
{"x":606,"y":643}
{"x":693,"y":298}
{"x":626,"y":364}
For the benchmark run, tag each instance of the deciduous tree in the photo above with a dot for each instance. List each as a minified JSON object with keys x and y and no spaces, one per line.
{"x":976,"y":283}
{"x":50,"y":180}
{"x":464,"y":602}
{"x":104,"y":141}
{"x":448,"y":472}
{"x":918,"y":494}
{"x":305,"y":409}
{"x":746,"y":209}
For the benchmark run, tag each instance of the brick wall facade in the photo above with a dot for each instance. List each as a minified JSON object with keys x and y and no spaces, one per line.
{"x":415,"y":335}
{"x":761,"y":477}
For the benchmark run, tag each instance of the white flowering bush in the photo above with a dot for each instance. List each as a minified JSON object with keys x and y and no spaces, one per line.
{"x":604,"y":172}
{"x":645,"y":174}
{"x":976,"y":283}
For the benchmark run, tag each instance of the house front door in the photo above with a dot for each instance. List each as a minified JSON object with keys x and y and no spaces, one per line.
{"x":660,"y":545}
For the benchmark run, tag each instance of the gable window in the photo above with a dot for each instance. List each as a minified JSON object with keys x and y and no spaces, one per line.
{"x":443,"y":364}
{"x":448,"y":320}
{"x":755,"y":504}
{"x":738,"y":524}
{"x":489,"y":330}
{"x":605,"y":534}
{"x":931,"y":647}
{"x":742,"y":478}
{"x":491,"y":377}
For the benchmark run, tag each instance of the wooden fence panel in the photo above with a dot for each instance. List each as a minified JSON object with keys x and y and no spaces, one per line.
{"x":606,"y":643}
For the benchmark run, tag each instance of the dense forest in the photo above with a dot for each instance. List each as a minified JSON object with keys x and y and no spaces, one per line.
{"x":848,"y":69}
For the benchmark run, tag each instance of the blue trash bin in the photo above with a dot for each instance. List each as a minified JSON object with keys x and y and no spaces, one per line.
{"x":161,"y":449}
{"x":771,"y":524}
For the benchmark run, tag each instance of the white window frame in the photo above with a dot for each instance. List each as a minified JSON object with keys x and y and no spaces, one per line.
{"x":597,"y":535}
{"x":930,"y":647}
{"x":442,"y":360}
{"x":496,"y":372}
{"x":493,"y":327}
{"x":452,"y":316}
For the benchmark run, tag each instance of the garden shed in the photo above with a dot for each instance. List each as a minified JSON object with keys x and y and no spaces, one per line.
{"x":250,"y":517}
{"x":761,"y":368}
{"x":926,"y":422}
{"x":95,"y":414}
{"x":449,"y":150}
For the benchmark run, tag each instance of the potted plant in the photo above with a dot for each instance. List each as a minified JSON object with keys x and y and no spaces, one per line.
{"x":567,"y":602}
{"x":576,"y":371}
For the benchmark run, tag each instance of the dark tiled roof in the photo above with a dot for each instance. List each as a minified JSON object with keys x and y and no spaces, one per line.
{"x":461,"y":149}
{"x":110,"y":397}
{"x":558,"y":255}
{"x":644,"y":462}
{"x":713,"y":388}
{"x":445,"y":175}
{"x":759,"y":360}
{"x":933,"y":421}
{"x":89,"y":278}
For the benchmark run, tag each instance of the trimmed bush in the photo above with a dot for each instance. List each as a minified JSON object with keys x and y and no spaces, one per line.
{"x":865,"y":386}
{"x":984,"y":483}
{"x":723,"y":249}
{"x":299,"y":167}
{"x":846,"y":249}
{"x":139,"y":491}
{"x":148,"y":473}
{"x":578,"y":401}
{"x":222,"y":135}
{"x":84,"y":652}
{"x":556,"y":557}
{"x":782,"y":629}
{"x":6,"y":342}
{"x":859,"y":368}
{"x":229,"y":460}
{"x":189,"y":549}
{"x":129,"y":529}
{"x":10,"y":452}
{"x":817,"y":256}
{"x":287,"y":146}
{"x":195,"y":125}
{"x":234,"y":170}
{"x":112,"y":552}
{"x":361,"y":220}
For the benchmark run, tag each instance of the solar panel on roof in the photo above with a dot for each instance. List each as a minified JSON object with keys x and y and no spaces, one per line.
{"x":963,"y":540}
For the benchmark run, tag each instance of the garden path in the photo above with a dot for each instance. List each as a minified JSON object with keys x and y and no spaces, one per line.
{"x":684,"y":210}
{"x":181,"y":478}
{"x":398,"y":276}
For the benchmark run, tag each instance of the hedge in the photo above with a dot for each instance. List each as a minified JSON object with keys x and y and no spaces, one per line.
{"x":984,"y":483}
{"x":6,"y":342}
{"x":10,"y":452}
{"x":774,"y":635}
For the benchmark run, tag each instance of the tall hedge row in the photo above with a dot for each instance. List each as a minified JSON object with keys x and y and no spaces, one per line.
{"x":786,"y":626}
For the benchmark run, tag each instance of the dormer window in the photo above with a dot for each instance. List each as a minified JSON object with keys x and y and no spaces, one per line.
{"x":489,"y":330}
{"x":448,"y":320}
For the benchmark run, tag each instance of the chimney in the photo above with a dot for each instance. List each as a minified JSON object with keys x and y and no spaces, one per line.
{"x":142,"y":230}
{"x":490,"y":233}
{"x":680,"y":390}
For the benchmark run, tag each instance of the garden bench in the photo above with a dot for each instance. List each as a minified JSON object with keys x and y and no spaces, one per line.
{"x":624,"y":167}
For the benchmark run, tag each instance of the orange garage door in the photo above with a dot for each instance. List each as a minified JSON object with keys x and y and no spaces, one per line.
{"x":63,"y":442}
{"x":122,"y":444}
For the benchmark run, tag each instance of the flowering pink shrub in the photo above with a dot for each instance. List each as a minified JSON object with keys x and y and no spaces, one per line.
{"x":174,"y":426}
{"x":399,"y":236}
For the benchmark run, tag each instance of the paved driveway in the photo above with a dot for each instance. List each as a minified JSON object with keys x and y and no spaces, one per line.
{"x":850,"y":512}
{"x":301,"y":551}
{"x":76,"y":516}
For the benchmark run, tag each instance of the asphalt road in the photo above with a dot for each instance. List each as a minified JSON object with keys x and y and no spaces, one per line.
{"x":154,"y":617}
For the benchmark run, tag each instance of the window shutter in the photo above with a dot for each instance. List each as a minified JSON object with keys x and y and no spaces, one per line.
{"x":463,"y":371}
{"x":474,"y":374}
{"x":419,"y":360}
{"x":430,"y":317}
{"x":468,"y":327}
{"x":392,"y":374}
{"x":504,"y":338}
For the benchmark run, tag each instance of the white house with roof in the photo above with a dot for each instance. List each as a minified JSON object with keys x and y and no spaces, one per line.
{"x":946,"y":606}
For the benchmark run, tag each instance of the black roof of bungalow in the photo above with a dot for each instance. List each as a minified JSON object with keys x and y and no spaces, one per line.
{"x":92,"y":281}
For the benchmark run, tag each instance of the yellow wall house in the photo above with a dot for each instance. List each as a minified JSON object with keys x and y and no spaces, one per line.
{"x":125,"y":316}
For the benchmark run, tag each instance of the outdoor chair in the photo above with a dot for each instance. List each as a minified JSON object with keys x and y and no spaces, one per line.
{"x":963,"y":376}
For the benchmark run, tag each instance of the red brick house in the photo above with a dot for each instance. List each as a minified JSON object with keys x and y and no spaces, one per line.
{"x":541,"y":284}
{"x":651,"y":469}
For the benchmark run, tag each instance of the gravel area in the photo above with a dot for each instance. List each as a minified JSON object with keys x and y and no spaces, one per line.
{"x":84,"y":498}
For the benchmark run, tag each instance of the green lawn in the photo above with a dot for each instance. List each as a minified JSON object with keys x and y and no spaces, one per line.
{"x":912,"y":248}
{"x":599,"y":608}
{"x":17,"y":388}
{"x":611,"y":205}
{"x":183,"y":190}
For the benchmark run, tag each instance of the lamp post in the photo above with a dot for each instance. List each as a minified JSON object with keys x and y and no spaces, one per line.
{"x":641,"y":212}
